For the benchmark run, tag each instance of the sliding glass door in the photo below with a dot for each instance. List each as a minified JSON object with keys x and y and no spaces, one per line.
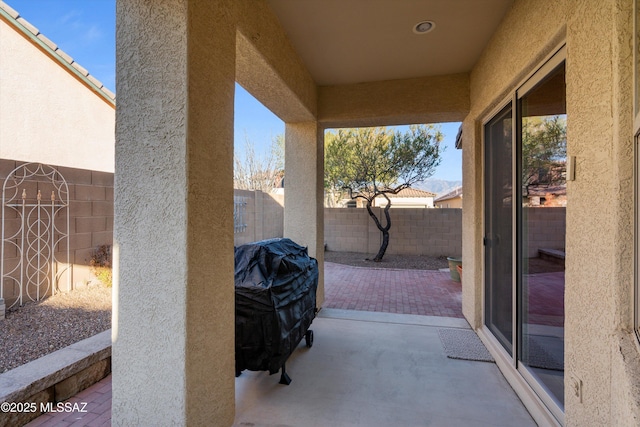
{"x":542,"y":167}
{"x":525,"y":194}
{"x":498,"y":238}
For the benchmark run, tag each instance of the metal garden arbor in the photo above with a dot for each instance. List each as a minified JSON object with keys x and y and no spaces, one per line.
{"x":35,"y":234}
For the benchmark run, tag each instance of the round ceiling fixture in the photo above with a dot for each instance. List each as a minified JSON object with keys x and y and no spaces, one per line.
{"x":424,"y":27}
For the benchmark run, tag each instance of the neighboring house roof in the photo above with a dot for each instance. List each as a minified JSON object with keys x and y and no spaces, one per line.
{"x":457,"y":192}
{"x":23,"y":26}
{"x":412,"y":192}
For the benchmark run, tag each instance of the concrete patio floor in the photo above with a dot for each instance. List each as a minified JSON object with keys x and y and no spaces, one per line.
{"x":364,"y":369}
{"x":378,"y":369}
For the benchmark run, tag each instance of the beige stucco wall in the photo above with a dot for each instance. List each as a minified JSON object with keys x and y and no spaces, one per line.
{"x":405,"y":202}
{"x":173,"y":324}
{"x":600,"y":281}
{"x":268,"y":67}
{"x":450,"y":203}
{"x":303,"y":201}
{"x":599,"y":347}
{"x":422,"y":100}
{"x":47,"y":114}
{"x":177,"y":63}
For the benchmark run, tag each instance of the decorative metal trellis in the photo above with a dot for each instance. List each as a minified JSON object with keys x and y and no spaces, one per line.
{"x":35,"y":228}
{"x":239,"y":206}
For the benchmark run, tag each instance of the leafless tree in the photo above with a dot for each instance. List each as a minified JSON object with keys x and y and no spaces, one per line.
{"x":254,"y":172}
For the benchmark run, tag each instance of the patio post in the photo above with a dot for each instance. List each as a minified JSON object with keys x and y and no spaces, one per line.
{"x":173,"y":315}
{"x":304,"y":191}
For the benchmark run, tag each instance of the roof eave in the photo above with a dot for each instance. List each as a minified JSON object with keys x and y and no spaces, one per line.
{"x":13,"y":19}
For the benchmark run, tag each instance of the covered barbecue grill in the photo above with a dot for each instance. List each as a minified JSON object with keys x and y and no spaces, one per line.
{"x":275,"y":288}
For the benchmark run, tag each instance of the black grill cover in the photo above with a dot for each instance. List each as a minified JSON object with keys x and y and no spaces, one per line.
{"x":275,"y":287}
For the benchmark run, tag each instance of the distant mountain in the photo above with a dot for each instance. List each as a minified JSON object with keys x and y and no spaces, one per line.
{"x":438,"y":186}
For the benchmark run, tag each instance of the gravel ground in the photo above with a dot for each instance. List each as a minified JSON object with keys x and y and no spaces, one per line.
{"x":36,"y":329}
{"x":412,"y":262}
{"x":421,"y":262}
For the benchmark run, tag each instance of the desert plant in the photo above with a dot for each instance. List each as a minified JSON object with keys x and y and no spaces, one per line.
{"x":372,"y":162}
{"x":100,"y":264}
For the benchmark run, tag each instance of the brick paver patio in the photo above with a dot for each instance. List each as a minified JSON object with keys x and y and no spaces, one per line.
{"x":96,"y":413}
{"x":423,"y":292}
{"x":429,"y":293}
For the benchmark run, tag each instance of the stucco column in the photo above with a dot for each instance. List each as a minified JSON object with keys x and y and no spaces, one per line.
{"x":472,"y":224}
{"x":304,"y":191}
{"x":173,"y":316}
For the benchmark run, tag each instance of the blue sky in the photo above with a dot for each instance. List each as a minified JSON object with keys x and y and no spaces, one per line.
{"x":85,"y":29}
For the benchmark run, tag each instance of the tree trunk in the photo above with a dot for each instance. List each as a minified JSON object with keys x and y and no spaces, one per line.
{"x":384,"y":230}
{"x":383,"y":246}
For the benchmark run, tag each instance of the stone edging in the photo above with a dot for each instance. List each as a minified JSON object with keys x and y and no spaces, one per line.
{"x":56,"y":376}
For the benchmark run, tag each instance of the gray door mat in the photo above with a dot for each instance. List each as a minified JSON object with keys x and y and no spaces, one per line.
{"x":464,"y":344}
{"x":539,"y":357}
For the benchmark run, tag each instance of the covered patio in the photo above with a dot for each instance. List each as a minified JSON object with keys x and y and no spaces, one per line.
{"x":323,"y":64}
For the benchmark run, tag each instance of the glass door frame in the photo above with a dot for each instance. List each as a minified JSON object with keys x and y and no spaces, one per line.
{"x":636,"y":171}
{"x":495,"y":113}
{"x":557,"y":60}
{"x":504,"y":359}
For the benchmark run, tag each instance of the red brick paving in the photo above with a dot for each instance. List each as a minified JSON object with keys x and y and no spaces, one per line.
{"x":429,"y":293}
{"x":544,"y":296}
{"x":96,"y":412}
{"x":423,"y":292}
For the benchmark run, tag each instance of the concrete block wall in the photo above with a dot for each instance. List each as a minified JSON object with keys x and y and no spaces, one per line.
{"x":346,"y":229}
{"x":263,"y":215}
{"x":434,"y":232}
{"x":90,"y":219}
{"x":248,"y":218}
{"x":545,"y":229}
{"x":272,"y":215}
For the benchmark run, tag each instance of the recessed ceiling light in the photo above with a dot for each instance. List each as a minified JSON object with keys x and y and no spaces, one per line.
{"x":424,"y":27}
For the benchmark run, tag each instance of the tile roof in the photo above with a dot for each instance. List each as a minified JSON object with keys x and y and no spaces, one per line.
{"x":412,"y":192}
{"x":20,"y":24}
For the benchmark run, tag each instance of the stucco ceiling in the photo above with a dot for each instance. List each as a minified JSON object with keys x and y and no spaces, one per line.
{"x":353,"y":41}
